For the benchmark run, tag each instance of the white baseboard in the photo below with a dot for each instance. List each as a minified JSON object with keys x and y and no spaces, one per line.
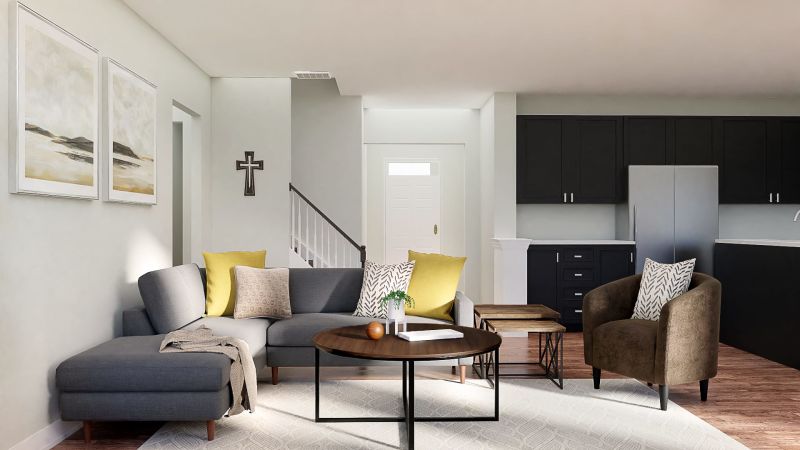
{"x":48,"y":436}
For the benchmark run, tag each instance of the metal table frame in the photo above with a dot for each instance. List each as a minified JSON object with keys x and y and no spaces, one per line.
{"x":408,"y":401}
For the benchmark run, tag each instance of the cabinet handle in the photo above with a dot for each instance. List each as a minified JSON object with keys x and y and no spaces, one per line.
{"x":577,"y":256}
{"x":556,"y":256}
{"x":578,"y":274}
{"x":571,"y":197}
{"x":770,"y":197}
{"x":565,"y":197}
{"x":779,"y":197}
{"x":579,"y":311}
{"x":578,"y":294}
{"x":631,"y":256}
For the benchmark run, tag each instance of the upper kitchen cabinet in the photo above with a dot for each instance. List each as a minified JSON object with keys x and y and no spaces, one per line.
{"x":694,"y":141}
{"x":539,"y":149}
{"x":564,"y":159}
{"x":789,"y":161}
{"x":744,"y":160}
{"x":593,"y":159}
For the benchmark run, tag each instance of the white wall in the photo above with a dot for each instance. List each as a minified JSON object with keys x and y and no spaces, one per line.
{"x":498,"y":160}
{"x":598,"y":221}
{"x":69,"y":267}
{"x":326,"y":151}
{"x":455,"y":126}
{"x":251,"y":114}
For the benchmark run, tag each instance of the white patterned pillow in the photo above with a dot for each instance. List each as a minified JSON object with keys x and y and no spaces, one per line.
{"x":379,"y":280}
{"x":660,"y":284}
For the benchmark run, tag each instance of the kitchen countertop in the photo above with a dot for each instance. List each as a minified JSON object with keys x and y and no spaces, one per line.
{"x":769,"y":242}
{"x":582,"y":242}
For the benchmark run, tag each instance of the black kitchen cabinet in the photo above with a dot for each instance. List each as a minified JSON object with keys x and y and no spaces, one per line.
{"x":789,"y":161}
{"x":649,"y":141}
{"x":744,"y":160}
{"x":760,"y":307}
{"x":694,"y":141}
{"x":542,"y":282}
{"x":539,"y":165}
{"x":565,"y":159}
{"x":592,"y":160}
{"x":560,"y":275}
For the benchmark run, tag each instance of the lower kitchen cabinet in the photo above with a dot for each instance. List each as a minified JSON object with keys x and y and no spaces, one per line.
{"x":760,"y":311}
{"x":560,"y":275}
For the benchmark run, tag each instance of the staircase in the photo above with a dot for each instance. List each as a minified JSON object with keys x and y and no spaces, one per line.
{"x":315,"y":241}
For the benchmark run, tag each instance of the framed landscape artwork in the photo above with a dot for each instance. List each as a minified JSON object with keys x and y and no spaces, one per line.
{"x":55,"y":102}
{"x":131,"y":141}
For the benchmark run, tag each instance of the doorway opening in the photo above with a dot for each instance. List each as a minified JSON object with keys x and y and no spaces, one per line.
{"x":186,"y":186}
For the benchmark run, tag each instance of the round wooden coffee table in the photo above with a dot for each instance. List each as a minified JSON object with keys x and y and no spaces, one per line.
{"x":353,"y":342}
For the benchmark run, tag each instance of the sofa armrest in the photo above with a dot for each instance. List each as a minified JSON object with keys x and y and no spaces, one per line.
{"x":463,"y":310}
{"x":609,"y":302}
{"x":135,"y":322}
{"x":687,"y":346}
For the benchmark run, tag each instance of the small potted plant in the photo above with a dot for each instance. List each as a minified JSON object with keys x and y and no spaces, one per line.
{"x":395,"y":303}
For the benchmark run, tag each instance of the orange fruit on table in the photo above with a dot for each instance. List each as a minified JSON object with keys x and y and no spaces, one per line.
{"x":375,"y":330}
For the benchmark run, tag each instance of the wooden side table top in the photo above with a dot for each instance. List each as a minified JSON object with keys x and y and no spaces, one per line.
{"x":353,"y":342}
{"x":532,"y":312}
{"x":528,"y":326}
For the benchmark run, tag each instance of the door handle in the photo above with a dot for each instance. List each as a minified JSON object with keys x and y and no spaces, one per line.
{"x":435,"y":229}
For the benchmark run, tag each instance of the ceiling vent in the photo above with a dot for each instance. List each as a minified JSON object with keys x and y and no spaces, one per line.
{"x":309,"y":75}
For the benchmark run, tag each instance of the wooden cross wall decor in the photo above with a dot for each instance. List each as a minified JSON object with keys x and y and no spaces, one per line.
{"x":249,"y":165}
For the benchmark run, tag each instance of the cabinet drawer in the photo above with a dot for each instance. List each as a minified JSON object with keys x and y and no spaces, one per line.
{"x":571,"y":311}
{"x":580,"y":254}
{"x":577,"y":274}
{"x":574,"y":293}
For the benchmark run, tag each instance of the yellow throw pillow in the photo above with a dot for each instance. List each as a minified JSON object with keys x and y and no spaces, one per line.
{"x":220,"y":289}
{"x":433,"y":284}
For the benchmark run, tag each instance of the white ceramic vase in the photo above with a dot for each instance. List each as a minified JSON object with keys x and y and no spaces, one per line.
{"x":395,"y":313}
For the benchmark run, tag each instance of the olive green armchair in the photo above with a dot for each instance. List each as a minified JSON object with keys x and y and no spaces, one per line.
{"x":681,"y":347}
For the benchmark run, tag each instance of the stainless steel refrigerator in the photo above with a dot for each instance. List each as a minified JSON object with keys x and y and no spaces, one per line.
{"x":672,"y":213}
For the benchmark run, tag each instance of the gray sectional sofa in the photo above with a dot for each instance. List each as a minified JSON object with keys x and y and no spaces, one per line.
{"x":174,"y":298}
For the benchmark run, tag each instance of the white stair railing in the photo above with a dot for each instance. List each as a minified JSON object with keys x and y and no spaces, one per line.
{"x":317,"y":240}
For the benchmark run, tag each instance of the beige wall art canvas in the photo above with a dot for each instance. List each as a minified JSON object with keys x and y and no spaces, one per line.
{"x":56,"y":104}
{"x":131,"y":143}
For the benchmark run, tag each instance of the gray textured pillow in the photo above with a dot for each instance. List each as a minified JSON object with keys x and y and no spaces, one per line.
{"x":261,"y":293}
{"x":660,"y":284}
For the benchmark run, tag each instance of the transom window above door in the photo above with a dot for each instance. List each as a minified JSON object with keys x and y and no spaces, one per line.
{"x":409,"y":169}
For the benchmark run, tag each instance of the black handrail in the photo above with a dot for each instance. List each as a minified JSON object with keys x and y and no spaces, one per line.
{"x":362,"y":249}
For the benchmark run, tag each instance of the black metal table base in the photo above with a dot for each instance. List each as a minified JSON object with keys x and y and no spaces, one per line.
{"x":551,"y":361}
{"x":408,"y":402}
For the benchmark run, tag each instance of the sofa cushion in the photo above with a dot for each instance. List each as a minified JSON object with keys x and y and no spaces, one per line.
{"x":626,"y":347}
{"x":301,"y":328}
{"x":173,"y":297}
{"x":324,"y":290}
{"x":252,"y":331}
{"x":134,"y":364}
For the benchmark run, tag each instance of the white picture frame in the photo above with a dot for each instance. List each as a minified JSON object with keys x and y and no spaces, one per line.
{"x":130,"y":111}
{"x":54,"y":103}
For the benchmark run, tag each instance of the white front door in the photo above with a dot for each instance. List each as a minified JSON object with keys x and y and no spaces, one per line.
{"x":413,"y":208}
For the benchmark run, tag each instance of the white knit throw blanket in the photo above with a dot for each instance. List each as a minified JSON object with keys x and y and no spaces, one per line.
{"x":243,"y":370}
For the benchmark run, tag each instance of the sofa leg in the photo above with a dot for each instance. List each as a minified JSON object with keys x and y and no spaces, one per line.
{"x":87,"y":432}
{"x":211,"y":429}
{"x":596,"y":377}
{"x":462,"y":374}
{"x":703,"y":390}
{"x":663,"y":396}
{"x":274,"y":376}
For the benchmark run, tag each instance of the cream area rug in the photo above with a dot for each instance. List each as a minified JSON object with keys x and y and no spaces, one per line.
{"x":623,"y":414}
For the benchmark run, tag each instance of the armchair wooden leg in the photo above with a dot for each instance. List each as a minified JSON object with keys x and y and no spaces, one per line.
{"x":596,"y":377}
{"x":211,"y":429}
{"x":703,"y":390}
{"x":274,"y":376}
{"x":87,"y":432}
{"x":663,"y":396}
{"x":462,"y":374}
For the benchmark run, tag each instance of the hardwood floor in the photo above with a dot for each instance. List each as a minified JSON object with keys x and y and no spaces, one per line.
{"x":753,"y":400}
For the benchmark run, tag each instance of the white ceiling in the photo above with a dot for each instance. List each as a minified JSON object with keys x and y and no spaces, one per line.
{"x":455,"y":53}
